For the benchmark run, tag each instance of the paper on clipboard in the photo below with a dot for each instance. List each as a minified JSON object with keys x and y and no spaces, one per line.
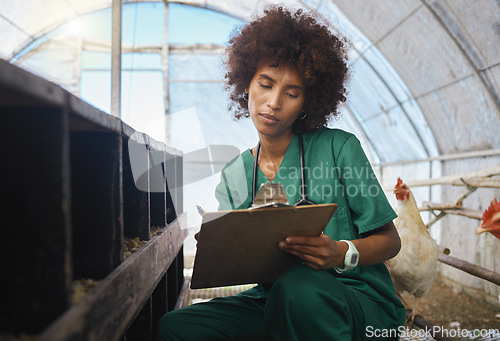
{"x":241,"y":246}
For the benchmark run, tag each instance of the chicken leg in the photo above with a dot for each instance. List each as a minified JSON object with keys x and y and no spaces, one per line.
{"x":413,"y":314}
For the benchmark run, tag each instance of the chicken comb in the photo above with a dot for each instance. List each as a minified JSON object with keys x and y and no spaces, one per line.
{"x":399,"y":182}
{"x":490,"y":211}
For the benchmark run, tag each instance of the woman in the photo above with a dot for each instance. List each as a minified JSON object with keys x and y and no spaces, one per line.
{"x":287,"y":73}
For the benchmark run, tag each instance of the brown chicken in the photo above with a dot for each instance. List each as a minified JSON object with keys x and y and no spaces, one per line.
{"x":414,"y":268}
{"x":491,"y":219}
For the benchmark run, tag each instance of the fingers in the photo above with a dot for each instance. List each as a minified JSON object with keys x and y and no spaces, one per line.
{"x":310,"y":245}
{"x":317,"y":252}
{"x":305,"y":240}
{"x":310,"y":260}
{"x":312,"y":250}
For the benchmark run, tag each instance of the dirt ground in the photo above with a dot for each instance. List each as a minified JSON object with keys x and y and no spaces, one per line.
{"x":447,"y":308}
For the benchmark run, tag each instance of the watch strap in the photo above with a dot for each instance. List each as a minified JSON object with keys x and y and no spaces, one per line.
{"x":351,"y":258}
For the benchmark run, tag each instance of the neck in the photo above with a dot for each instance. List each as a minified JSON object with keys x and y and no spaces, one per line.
{"x":275,"y":146}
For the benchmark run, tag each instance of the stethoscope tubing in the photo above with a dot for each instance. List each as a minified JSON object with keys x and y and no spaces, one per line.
{"x":304,"y":200}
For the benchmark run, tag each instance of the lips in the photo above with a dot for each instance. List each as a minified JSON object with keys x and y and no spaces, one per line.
{"x":268,"y":118}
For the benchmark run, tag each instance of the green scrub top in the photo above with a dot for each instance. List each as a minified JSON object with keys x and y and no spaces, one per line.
{"x":337,"y":171}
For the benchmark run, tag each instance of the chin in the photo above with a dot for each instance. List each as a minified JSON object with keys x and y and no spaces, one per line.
{"x":271,"y":132}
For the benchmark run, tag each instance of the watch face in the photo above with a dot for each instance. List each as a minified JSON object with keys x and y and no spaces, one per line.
{"x":354,"y":259}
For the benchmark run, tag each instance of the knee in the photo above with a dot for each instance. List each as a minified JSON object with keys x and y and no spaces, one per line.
{"x":296,"y":285}
{"x":308,"y":290}
{"x":168,"y":326}
{"x":294,"y":281}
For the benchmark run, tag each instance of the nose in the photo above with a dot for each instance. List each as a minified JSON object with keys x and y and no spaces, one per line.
{"x":274,"y":101}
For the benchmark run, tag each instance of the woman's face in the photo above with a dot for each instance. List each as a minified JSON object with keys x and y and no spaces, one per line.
{"x":275,"y":99}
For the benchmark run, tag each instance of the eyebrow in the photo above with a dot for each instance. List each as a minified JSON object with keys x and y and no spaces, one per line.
{"x":292,"y":86}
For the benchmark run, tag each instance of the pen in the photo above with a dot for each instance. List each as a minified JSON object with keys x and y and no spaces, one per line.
{"x":201,"y":211}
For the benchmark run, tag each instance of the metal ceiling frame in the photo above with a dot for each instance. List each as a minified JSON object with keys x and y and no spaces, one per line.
{"x":475,"y":70}
{"x":172,"y":49}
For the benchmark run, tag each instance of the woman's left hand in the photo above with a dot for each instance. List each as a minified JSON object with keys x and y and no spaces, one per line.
{"x":322,"y":252}
{"x":319,"y":253}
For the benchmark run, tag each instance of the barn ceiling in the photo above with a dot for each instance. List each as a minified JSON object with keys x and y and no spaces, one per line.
{"x":427,"y":72}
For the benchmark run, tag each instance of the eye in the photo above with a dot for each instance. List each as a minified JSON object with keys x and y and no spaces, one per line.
{"x":265,"y":86}
{"x":291,"y":95}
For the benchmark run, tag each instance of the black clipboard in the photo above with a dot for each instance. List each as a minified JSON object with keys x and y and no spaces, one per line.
{"x":241,"y":246}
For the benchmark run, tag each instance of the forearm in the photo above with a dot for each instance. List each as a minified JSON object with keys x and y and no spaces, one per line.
{"x":381,"y":245}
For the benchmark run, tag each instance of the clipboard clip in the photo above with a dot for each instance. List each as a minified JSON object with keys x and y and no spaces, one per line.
{"x":271,"y":194}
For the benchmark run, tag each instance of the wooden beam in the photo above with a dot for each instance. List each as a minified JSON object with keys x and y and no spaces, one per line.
{"x":478,"y":182}
{"x":466,"y":212}
{"x":105,"y":312}
{"x":447,"y":157}
{"x":475,"y":270}
{"x":22,"y":88}
{"x":462,"y":211}
{"x":444,"y":250}
{"x":458,"y":180}
{"x":429,"y":206}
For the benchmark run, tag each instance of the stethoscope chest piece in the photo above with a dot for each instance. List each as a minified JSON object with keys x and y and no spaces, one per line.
{"x":275,"y":191}
{"x":270,"y":194}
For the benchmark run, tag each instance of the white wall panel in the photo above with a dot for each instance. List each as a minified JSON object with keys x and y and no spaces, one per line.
{"x":459,"y":233}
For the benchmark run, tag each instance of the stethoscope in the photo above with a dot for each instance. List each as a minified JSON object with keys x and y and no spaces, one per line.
{"x":303,"y":190}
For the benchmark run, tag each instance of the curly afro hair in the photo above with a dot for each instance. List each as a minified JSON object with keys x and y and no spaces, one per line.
{"x":296,"y":38}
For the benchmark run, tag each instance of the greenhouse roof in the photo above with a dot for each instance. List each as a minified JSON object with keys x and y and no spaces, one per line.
{"x":426,"y":73}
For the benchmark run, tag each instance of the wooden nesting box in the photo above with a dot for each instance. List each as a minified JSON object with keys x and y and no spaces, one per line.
{"x":76,"y":183}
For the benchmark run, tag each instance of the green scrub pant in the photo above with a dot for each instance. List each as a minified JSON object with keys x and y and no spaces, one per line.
{"x":303,"y":304}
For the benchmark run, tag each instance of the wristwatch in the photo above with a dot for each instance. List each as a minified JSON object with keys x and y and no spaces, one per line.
{"x":351,"y":258}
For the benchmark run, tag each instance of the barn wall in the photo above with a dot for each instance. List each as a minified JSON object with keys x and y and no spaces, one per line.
{"x":458,"y":234}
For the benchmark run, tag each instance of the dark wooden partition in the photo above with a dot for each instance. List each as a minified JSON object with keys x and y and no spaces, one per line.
{"x":76,"y":183}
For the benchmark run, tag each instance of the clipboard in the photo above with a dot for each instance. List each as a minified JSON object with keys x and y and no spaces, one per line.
{"x":241,"y":246}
